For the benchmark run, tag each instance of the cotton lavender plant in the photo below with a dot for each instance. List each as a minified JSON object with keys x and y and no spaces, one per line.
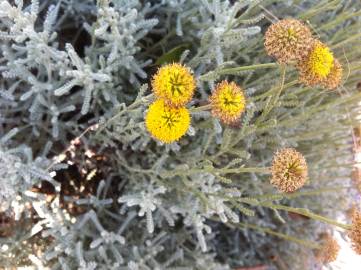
{"x":88,"y":180}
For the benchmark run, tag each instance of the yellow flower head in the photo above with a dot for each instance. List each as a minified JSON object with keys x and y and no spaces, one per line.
{"x":355,"y":232}
{"x":329,"y":249}
{"x":288,"y":40}
{"x":175,"y":84}
{"x":320,"y":60}
{"x":317,"y":65}
{"x":333,"y":80}
{"x":165,"y":123}
{"x":228,"y":102}
{"x":289,"y":170}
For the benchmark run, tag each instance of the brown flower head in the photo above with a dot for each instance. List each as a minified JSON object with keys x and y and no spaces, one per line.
{"x":333,"y":79}
{"x":288,"y":40}
{"x":350,"y":212}
{"x":289,"y":170}
{"x":356,"y":178}
{"x":355,"y":232}
{"x":329,"y":249}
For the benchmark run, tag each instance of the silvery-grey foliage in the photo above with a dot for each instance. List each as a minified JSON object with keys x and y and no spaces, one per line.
{"x":18,"y":171}
{"x":90,"y":188}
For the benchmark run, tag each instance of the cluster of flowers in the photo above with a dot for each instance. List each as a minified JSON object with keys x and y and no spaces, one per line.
{"x":174,"y":85}
{"x":290,"y":173}
{"x":329,"y":248}
{"x":291,"y":42}
{"x":288,"y":40}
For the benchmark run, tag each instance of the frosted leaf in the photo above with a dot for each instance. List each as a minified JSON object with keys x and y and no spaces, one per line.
{"x":16,"y":176}
{"x":88,"y":266}
{"x":191,"y":131}
{"x":51,"y":17}
{"x":34,"y":7}
{"x":217,"y":126}
{"x":147,"y":201}
{"x":65,"y":88}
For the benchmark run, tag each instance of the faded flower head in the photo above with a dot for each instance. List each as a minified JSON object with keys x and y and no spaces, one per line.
{"x":333,"y":79}
{"x":317,"y":65}
{"x":228,"y":102}
{"x":165,"y":123}
{"x":289,"y":170}
{"x":329,"y":249}
{"x":288,"y":40}
{"x":175,"y":84}
{"x":355,"y":232}
{"x":351,"y":211}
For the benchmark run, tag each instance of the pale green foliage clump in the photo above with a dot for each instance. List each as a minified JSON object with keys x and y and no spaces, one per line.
{"x":75,"y":79}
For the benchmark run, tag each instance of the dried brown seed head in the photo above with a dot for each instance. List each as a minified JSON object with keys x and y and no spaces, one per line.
{"x":333,"y":80}
{"x":289,"y":170}
{"x":355,"y":232}
{"x":329,"y":249}
{"x":288,"y":40}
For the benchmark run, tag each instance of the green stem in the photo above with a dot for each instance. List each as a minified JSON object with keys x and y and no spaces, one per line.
{"x":166,"y":174}
{"x":298,"y":194}
{"x":136,"y":103}
{"x":344,"y":42}
{"x":339,"y":20}
{"x":201,"y":108}
{"x":232,"y":71}
{"x":313,"y":192}
{"x":301,"y":211}
{"x":306,"y":243}
{"x":320,"y":7}
{"x":311,"y":112}
{"x":272,"y":101}
{"x":268,"y":93}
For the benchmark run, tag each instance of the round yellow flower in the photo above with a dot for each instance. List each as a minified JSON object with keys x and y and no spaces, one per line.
{"x":175,"y":84}
{"x":228,"y":102}
{"x":317,"y":65}
{"x":288,"y":40}
{"x":167,"y":124}
{"x":289,"y":170}
{"x":320,"y":60}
